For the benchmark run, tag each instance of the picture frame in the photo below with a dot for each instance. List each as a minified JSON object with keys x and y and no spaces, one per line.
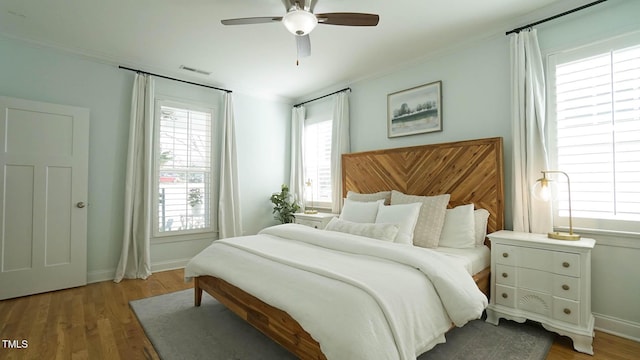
{"x":417,"y":110}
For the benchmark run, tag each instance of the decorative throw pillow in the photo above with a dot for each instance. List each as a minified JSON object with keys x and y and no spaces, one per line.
{"x":360,"y":212}
{"x":384,"y":195}
{"x":384,"y":232}
{"x":405,"y":215}
{"x":480,"y":219}
{"x":458,"y":230}
{"x":431,"y":218}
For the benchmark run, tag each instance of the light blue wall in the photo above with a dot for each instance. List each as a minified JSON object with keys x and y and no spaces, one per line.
{"x":475,"y":100}
{"x":264,"y":131}
{"x":43,"y":74}
{"x":476,"y":103}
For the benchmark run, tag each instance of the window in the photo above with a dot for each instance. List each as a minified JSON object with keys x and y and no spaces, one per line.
{"x":183,"y":169}
{"x":595,"y":133}
{"x":317,"y":163}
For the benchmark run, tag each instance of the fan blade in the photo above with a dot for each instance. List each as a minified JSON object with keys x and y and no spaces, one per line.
{"x":304,"y":46}
{"x":251,"y":20}
{"x":348,"y":19}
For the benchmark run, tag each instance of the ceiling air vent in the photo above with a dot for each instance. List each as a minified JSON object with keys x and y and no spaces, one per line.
{"x":188,"y":68}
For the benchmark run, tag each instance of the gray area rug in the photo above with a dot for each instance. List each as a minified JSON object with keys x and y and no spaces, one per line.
{"x":178,"y":330}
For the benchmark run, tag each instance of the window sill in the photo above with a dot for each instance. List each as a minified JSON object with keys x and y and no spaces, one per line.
{"x":615,"y":238}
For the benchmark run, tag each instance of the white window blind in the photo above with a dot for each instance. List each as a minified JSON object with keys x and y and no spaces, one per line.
{"x":596,"y":132}
{"x":317,"y":163}
{"x":183,"y":169}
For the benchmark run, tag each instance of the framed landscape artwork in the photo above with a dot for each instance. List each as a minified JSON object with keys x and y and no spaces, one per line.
{"x":415,"y":111}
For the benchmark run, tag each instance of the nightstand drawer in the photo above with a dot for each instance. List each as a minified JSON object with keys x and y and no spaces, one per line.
{"x":505,"y":254}
{"x":566,"y":264}
{"x":566,"y":310}
{"x":311,"y":223}
{"x":317,"y":220}
{"x":566,"y":287}
{"x":506,"y":296}
{"x":505,"y":275}
{"x":537,"y":280}
{"x":535,"y":258}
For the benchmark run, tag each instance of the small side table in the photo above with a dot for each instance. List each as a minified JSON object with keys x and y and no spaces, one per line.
{"x":544,"y":280}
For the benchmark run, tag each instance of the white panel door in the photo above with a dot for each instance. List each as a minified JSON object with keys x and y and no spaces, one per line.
{"x":44,"y":159}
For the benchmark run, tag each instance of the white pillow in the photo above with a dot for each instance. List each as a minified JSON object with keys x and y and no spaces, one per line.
{"x":360,"y":212}
{"x":405,"y":215}
{"x":385,"y":195}
{"x":480,"y":219}
{"x":458,"y":230}
{"x":431,"y":219}
{"x":384,"y":232}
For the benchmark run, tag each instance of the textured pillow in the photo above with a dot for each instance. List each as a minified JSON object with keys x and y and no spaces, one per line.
{"x":405,"y":215}
{"x":431,"y":219}
{"x":381,"y":195}
{"x":384,"y":232}
{"x":360,"y":212}
{"x":480,"y":219}
{"x":458,"y":230}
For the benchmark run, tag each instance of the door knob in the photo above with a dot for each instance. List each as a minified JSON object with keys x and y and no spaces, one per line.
{"x":81,"y":205}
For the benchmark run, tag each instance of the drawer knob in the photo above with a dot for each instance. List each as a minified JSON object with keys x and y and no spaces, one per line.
{"x":505,"y":275}
{"x":504,"y":295}
{"x":565,"y":264}
{"x":567,"y":311}
{"x":505,"y":255}
{"x":565,"y":287}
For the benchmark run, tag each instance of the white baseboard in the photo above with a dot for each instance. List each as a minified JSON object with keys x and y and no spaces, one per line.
{"x":100,"y":275}
{"x":169,"y":265}
{"x":618,"y":327}
{"x":106,"y":275}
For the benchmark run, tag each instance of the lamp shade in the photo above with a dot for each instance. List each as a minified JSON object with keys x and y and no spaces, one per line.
{"x":542,"y":191}
{"x":299,"y":22}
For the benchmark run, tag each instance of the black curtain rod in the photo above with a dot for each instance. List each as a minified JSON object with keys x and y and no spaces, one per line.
{"x":322,"y":97}
{"x":174,"y":79}
{"x":517,"y":30}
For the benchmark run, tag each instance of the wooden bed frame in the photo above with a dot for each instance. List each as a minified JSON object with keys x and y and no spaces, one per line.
{"x":471,"y":171}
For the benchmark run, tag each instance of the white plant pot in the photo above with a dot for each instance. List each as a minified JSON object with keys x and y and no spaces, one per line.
{"x":196,"y":210}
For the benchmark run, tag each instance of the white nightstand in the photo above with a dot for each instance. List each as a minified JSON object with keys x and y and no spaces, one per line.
{"x":318,"y":221}
{"x":544,"y":280}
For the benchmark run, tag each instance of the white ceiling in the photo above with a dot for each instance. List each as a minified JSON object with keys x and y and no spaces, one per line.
{"x":160,"y":35}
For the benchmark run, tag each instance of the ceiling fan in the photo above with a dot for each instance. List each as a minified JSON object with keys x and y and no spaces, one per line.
{"x":300,"y":20}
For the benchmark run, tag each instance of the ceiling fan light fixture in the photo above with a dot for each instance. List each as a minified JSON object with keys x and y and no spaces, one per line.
{"x":300,"y":22}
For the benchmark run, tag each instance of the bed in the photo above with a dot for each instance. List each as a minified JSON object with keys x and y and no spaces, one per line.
{"x":470,"y":171}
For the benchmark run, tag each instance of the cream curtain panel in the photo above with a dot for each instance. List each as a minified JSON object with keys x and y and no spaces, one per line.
{"x":528,"y":100}
{"x":229,"y":219}
{"x":296,"y":186}
{"x":339,"y":145}
{"x":135,"y":257}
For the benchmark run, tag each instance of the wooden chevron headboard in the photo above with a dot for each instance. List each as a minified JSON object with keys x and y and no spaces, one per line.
{"x":471,"y":171}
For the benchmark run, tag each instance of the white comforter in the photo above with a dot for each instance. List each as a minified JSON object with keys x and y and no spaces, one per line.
{"x":359,"y":298}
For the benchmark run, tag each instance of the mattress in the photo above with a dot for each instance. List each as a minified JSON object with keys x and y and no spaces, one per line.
{"x":344,"y":291}
{"x":473,"y":259}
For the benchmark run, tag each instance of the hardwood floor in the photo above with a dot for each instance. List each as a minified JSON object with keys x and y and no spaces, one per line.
{"x":96,"y":322}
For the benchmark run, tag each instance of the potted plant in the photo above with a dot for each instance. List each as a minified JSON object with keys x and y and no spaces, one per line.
{"x":284,"y":205}
{"x":195,"y":200}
